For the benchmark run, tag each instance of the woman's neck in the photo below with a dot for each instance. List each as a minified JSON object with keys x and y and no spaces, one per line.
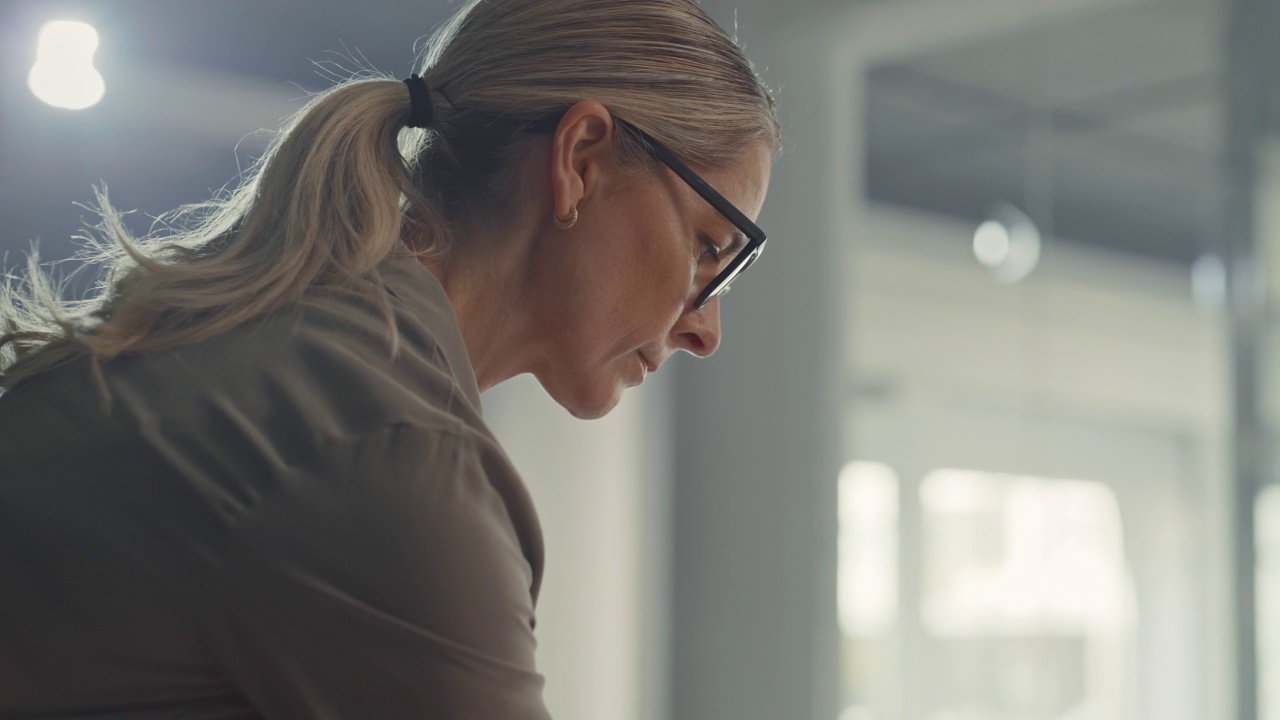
{"x":485,"y":285}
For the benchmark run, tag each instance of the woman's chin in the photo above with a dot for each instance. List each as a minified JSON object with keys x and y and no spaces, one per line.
{"x":594,"y":408}
{"x":583,"y":400}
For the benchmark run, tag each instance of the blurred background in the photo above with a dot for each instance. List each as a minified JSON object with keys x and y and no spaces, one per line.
{"x":990,"y":435}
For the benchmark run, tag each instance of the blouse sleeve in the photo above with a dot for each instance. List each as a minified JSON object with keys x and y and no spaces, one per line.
{"x":391,"y":580}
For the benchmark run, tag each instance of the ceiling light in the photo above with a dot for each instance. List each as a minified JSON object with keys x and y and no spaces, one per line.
{"x":1007,"y":243}
{"x":63,"y":75}
{"x":991,"y":243}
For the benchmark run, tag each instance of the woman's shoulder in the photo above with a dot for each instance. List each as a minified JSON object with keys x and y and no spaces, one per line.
{"x":333,"y":365}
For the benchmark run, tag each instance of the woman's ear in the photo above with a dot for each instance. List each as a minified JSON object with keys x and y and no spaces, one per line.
{"x":581,"y":147}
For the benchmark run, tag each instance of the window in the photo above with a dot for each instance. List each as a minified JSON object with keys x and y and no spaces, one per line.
{"x":1024,"y":600}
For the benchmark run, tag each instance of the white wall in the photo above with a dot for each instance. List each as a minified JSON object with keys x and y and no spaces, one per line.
{"x":600,"y":490}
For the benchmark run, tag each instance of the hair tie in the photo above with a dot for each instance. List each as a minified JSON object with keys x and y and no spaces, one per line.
{"x":420,"y":110}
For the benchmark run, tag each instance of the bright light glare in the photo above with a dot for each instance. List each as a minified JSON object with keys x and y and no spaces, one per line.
{"x":867,"y":574}
{"x":63,"y":75}
{"x":1008,"y":243}
{"x":1010,"y":555}
{"x":991,"y":243}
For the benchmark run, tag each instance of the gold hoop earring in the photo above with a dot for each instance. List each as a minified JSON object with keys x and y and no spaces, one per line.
{"x":566,"y":224}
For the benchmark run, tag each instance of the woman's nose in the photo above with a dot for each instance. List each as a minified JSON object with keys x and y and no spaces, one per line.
{"x":699,"y":330}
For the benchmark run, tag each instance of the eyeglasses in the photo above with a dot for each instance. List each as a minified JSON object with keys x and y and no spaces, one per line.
{"x":754,"y":246}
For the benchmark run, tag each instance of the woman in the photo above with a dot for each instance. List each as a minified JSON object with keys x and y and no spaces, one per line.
{"x":252,"y":478}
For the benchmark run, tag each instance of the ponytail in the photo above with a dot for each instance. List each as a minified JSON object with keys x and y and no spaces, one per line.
{"x":324,"y":206}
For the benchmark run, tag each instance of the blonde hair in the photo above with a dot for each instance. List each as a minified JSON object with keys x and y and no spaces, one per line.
{"x":344,"y":184}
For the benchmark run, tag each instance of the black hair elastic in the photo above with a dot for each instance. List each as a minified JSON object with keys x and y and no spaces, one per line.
{"x":420,"y":112}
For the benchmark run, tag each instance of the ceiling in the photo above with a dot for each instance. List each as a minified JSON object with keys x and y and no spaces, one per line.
{"x":1116,"y":116}
{"x":1106,"y":127}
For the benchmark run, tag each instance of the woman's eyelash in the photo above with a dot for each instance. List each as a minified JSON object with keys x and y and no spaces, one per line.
{"x":710,"y":249}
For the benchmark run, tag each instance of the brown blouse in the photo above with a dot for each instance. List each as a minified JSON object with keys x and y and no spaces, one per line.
{"x":281,"y":522}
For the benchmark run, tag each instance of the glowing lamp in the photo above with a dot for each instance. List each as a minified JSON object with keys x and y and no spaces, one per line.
{"x":63,"y":75}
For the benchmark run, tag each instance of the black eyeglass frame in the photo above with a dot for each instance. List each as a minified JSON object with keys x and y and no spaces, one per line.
{"x":755,"y":236}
